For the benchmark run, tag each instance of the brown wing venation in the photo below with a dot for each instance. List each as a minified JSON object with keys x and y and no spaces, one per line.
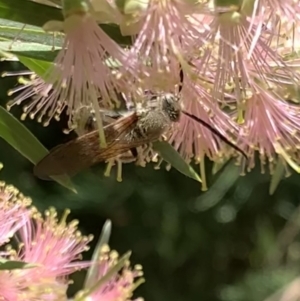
{"x":84,"y":151}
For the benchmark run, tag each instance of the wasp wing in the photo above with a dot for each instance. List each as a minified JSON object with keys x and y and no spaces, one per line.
{"x":84,"y":151}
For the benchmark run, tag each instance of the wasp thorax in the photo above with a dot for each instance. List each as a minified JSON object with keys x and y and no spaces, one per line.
{"x":171,"y":106}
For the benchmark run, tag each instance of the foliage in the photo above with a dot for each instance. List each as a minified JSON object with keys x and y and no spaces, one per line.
{"x":233,"y":243}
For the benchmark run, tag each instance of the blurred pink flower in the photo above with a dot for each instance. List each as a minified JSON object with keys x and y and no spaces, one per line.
{"x":55,"y":248}
{"x":9,"y":290}
{"x":277,"y":9}
{"x":118,"y":287}
{"x":13,"y":211}
{"x":27,"y":284}
{"x":18,"y":285}
{"x":53,"y":244}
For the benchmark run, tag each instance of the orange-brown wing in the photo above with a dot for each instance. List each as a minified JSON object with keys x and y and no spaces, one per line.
{"x":83,"y":152}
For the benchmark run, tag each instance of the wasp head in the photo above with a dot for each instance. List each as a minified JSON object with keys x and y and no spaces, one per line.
{"x":171,"y":106}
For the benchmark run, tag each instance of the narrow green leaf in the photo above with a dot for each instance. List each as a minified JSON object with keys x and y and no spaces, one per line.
{"x":28,"y":12}
{"x":227,"y":178}
{"x":46,"y":56}
{"x":37,"y":66}
{"x":90,"y":278}
{"x":15,"y":31}
{"x":30,"y":50}
{"x":36,"y":14}
{"x":217,"y":166}
{"x":14,"y":265}
{"x":20,"y":138}
{"x":55,"y":3}
{"x":31,"y":41}
{"x":169,"y":154}
{"x":277,"y":176}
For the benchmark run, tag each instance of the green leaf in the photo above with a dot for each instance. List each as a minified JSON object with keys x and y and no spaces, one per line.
{"x":30,"y":50}
{"x":169,"y":154}
{"x":37,"y":66}
{"x":14,"y":265}
{"x":20,"y":138}
{"x":30,"y":41}
{"x":277,"y":176}
{"x":36,"y":14}
{"x":28,"y":12}
{"x":227,"y":178}
{"x":91,"y":276}
{"x":217,"y":166}
{"x":15,"y":31}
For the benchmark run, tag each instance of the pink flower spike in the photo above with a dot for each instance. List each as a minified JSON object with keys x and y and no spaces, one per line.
{"x":192,"y":139}
{"x":278,"y":9}
{"x":15,"y":286}
{"x":165,"y":39}
{"x":9,"y":288}
{"x":54,"y":248}
{"x":271,"y":128}
{"x":53,"y":245}
{"x":80,"y":75}
{"x":119,"y":286}
{"x":13,"y":211}
{"x":238,"y":48}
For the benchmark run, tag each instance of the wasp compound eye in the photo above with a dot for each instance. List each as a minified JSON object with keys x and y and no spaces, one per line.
{"x":171,"y":106}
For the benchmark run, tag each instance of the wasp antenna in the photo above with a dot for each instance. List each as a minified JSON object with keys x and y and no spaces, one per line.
{"x":213,"y":130}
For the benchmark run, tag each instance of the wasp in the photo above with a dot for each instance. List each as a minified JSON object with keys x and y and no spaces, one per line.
{"x":135,"y":129}
{"x":127,"y":133}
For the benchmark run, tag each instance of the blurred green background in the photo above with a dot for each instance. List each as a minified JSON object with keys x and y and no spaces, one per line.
{"x":232,"y":243}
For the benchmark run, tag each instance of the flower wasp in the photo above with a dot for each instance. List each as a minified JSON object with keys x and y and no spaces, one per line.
{"x":127,"y":133}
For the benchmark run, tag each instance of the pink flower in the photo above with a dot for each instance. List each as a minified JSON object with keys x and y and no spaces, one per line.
{"x":278,"y":11}
{"x":192,"y":139}
{"x":165,"y":38}
{"x":118,"y":287}
{"x":80,"y":76}
{"x":271,"y":127}
{"x":16,"y":287}
{"x":195,"y":141}
{"x":52,"y":244}
{"x":238,"y":48}
{"x":33,"y":87}
{"x":13,"y":211}
{"x":8,"y":289}
{"x":247,"y":63}
{"x":54,"y":248}
{"x":40,"y":245}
